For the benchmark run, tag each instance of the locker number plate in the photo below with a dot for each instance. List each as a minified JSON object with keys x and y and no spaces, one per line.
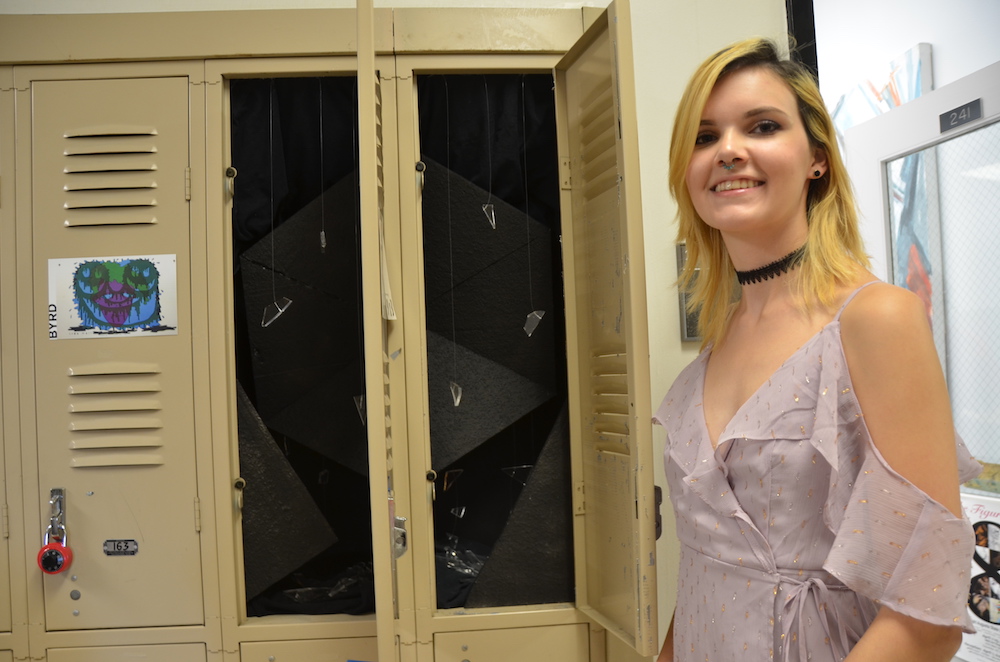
{"x":121,"y":547}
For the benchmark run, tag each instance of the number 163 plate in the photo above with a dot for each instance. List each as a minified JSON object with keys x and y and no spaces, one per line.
{"x":121,"y":547}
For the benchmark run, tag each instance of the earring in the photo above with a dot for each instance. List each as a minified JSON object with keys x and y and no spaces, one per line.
{"x":817,"y":174}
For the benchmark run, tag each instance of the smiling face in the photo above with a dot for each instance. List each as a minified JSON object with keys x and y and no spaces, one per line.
{"x":752,"y":123}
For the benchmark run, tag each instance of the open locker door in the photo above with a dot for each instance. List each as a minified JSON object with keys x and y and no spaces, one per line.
{"x":607,"y":342}
{"x":377,"y":305}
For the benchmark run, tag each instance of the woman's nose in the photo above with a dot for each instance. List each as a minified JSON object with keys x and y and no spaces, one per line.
{"x":730,"y":147}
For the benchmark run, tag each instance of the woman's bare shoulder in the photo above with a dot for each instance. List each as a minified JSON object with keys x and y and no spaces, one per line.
{"x":882,"y":313}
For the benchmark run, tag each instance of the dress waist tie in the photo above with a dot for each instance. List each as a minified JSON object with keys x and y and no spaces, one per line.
{"x":793,"y":615}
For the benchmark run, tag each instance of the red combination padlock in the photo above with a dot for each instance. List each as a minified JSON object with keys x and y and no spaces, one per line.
{"x":55,"y":556}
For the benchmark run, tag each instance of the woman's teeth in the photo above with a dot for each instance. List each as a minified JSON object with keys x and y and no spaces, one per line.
{"x":736,"y":184}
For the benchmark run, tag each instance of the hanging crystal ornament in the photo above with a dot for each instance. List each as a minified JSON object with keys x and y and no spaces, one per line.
{"x":451,"y":477}
{"x":532,"y":320}
{"x":359,"y":404}
{"x":456,"y":393}
{"x":519,"y":472}
{"x":274,"y":310}
{"x":491,"y":215}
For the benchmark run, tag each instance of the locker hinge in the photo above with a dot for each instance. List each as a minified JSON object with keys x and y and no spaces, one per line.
{"x":197,"y":515}
{"x":578,"y":502}
{"x":565,"y":180}
{"x":6,"y":522}
{"x":187,"y":184}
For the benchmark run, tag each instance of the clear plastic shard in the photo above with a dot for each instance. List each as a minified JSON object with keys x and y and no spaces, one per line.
{"x":274,"y":310}
{"x":532,"y":320}
{"x":456,"y":393}
{"x":359,"y":403}
{"x":519,"y":472}
{"x":490,"y":214}
{"x":395,"y":355}
{"x":458,"y":511}
{"x":451,"y":477}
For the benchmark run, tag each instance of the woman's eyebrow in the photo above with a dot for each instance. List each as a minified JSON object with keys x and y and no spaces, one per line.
{"x":754,"y":112}
{"x":764,"y":110}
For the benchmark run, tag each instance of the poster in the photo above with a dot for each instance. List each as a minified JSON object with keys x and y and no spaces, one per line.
{"x":984,"y":591}
{"x":109,"y":297}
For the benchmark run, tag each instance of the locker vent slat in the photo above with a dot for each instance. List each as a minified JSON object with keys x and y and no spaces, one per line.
{"x":115,"y":414}
{"x":109,"y":176}
{"x":610,"y":411}
{"x":598,"y":151}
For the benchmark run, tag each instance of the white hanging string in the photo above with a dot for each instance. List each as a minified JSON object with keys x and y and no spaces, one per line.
{"x":274,"y":309}
{"x":322,"y":174}
{"x":456,"y":390}
{"x":535,"y":316}
{"x":488,"y":208}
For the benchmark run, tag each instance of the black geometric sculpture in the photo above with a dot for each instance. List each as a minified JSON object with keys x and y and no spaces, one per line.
{"x":532,"y":562}
{"x":481,"y":283}
{"x":493,"y":398}
{"x":282,"y":527}
{"x":307,"y":363}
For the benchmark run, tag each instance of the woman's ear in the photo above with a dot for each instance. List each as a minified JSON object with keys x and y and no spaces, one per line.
{"x":818,"y":168}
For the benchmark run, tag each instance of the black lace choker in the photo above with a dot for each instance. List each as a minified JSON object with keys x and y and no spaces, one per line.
{"x":771,"y":270}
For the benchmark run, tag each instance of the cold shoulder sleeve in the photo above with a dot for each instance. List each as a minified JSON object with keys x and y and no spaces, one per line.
{"x":893,"y":543}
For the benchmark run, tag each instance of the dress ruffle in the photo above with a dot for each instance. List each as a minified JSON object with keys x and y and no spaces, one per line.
{"x":894,"y":544}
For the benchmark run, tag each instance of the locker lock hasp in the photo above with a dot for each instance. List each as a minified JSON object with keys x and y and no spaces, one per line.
{"x":55,"y":555}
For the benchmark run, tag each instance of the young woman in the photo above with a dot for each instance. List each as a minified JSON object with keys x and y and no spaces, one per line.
{"x":811,"y":457}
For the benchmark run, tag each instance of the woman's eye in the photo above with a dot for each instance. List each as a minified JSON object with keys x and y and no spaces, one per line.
{"x":766,"y":127}
{"x":704,"y":139}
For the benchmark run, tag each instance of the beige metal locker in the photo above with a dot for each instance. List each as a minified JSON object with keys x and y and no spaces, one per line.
{"x":9,"y":455}
{"x":114,"y":384}
{"x":159,"y":653}
{"x":613,"y":500}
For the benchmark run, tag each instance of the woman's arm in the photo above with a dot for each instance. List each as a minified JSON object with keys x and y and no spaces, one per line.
{"x":899,"y":383}
{"x":894,"y":637}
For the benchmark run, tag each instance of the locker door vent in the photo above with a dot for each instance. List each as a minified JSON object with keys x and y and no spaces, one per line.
{"x":115,"y":415}
{"x":610,"y":401}
{"x":598,"y":151}
{"x":110,"y":176}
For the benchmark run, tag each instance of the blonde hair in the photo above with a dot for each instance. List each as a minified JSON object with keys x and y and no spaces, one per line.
{"x":834,"y":250}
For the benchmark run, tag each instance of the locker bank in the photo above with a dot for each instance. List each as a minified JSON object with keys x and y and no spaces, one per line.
{"x":324,"y":337}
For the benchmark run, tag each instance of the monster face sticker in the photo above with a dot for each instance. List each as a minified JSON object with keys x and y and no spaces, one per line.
{"x":117,"y":295}
{"x":112,"y":296}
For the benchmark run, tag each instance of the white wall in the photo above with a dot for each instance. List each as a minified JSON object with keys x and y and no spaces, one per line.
{"x":856,"y":39}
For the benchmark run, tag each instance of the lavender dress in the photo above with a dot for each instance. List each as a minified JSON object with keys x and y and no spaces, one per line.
{"x":794,"y":530}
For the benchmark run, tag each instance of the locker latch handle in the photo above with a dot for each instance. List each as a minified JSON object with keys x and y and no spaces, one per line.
{"x":231,"y":182}
{"x":658,"y":495}
{"x":400,"y":541}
